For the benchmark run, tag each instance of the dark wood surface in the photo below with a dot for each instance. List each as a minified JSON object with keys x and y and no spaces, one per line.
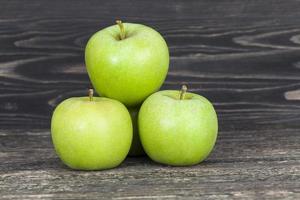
{"x":242,"y":55}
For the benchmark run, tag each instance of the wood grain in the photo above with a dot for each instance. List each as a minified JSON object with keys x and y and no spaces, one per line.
{"x":242,"y":55}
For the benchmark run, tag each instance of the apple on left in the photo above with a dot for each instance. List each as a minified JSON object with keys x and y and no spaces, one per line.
{"x":91,"y":133}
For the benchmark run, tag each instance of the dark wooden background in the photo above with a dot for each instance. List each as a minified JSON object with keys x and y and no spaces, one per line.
{"x":242,"y":55}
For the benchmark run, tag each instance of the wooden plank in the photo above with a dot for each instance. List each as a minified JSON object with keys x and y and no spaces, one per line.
{"x":242,"y":55}
{"x":250,"y":164}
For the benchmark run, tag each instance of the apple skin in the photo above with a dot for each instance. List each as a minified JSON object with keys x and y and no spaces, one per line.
{"x":91,"y":135}
{"x":136,"y":148}
{"x":127,"y":70}
{"x":178,"y":132}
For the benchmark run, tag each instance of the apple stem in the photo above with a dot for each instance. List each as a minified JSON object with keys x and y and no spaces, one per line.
{"x":183,"y":91}
{"x":91,"y":93}
{"x":122,"y":29}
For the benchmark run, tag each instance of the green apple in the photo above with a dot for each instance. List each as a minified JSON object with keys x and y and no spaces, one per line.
{"x":127,"y":62}
{"x":91,"y":133}
{"x":177,"y":128}
{"x":136,"y":148}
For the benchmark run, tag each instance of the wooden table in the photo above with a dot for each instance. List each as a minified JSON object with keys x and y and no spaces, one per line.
{"x":242,"y":55}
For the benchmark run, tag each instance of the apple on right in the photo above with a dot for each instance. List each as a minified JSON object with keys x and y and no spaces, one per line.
{"x":177,"y":128}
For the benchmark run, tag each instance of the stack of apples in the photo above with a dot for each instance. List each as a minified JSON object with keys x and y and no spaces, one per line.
{"x":127,"y":64}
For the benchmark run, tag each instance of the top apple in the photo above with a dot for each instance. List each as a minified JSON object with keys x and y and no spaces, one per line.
{"x":127,"y":62}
